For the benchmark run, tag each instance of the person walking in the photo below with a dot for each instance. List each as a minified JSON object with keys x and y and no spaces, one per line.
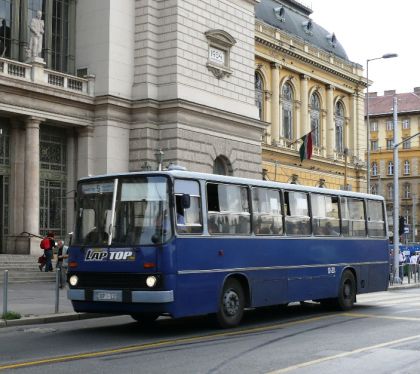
{"x":47,"y":244}
{"x":61,"y":264}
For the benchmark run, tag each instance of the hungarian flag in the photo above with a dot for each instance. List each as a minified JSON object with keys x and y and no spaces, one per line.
{"x":305,"y":150}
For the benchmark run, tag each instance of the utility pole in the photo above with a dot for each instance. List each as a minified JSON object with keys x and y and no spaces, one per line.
{"x":396,"y":195}
{"x":414,"y":212}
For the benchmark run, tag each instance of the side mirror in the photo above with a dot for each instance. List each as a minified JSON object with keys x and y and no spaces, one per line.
{"x":185,"y":201}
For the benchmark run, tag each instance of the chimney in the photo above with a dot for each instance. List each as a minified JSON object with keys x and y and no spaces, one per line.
{"x":417,"y":90}
{"x":373,"y":94}
{"x":389,"y":93}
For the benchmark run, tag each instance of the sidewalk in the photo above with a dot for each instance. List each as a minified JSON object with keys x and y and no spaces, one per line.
{"x":36,"y":303}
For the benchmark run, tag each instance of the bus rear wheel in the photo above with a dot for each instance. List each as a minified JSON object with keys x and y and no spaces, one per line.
{"x":231,"y":305}
{"x":145,"y":318}
{"x":347,"y":292}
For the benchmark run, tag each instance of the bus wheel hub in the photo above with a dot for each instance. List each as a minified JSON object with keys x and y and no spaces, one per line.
{"x":231,"y":302}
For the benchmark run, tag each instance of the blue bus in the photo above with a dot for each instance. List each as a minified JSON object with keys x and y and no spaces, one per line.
{"x":181,"y":243}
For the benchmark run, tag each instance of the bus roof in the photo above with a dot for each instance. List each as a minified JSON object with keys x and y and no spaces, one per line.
{"x":228,"y":179}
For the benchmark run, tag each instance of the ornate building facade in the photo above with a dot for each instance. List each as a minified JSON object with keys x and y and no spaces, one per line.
{"x":305,"y":82}
{"x":381,"y":153}
{"x":137,"y":83}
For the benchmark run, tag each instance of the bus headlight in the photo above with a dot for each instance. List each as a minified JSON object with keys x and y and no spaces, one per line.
{"x":151,"y":281}
{"x":74,"y":280}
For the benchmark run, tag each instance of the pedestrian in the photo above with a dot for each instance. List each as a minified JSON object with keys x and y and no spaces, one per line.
{"x":62,"y":262}
{"x":47,"y":244}
{"x":401,"y":259}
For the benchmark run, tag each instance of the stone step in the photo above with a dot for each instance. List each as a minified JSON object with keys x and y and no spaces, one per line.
{"x":23,"y":269}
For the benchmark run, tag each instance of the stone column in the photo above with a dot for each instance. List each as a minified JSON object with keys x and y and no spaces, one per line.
{"x":31,"y":184}
{"x":297,"y":121}
{"x":275,"y":102}
{"x":267,"y":101}
{"x":14,"y":53}
{"x":23,"y":37}
{"x":353,"y":131}
{"x":304,"y":123}
{"x":330,"y":144}
{"x":17,"y":177}
{"x":85,"y":152}
{"x":72,"y":31}
{"x":48,"y":37}
{"x":71,"y":178}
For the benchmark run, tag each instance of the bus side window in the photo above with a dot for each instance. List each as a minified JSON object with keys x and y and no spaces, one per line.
{"x":266,"y":208}
{"x":353,"y":217}
{"x":228,"y":209}
{"x":297,"y":218}
{"x":376,"y":219}
{"x":188,"y":217}
{"x":325,"y":215}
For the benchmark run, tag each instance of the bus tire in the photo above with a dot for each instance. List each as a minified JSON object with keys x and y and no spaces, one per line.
{"x":347,"y":291}
{"x":145,"y":318}
{"x":231,"y":305}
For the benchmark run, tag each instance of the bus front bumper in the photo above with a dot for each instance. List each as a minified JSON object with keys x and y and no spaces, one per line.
{"x":120,"y":296}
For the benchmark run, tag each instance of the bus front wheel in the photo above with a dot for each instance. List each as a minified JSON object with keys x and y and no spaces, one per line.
{"x":231,"y":305}
{"x":347,"y":292}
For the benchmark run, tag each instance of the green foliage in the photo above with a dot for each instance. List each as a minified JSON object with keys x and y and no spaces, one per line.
{"x":11,"y":315}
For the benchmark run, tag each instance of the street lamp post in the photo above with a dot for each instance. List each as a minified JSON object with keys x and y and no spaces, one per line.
{"x":386,"y":55}
{"x":396,"y":194}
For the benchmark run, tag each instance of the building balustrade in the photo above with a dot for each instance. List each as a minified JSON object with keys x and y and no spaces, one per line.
{"x":67,"y":82}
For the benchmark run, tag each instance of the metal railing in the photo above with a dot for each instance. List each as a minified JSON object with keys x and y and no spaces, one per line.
{"x":407,"y":273}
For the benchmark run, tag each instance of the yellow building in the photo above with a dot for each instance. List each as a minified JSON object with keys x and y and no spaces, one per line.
{"x":382,"y":161}
{"x":305,"y":81}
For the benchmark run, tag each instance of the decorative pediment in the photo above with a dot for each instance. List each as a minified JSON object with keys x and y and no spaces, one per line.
{"x":220,"y":43}
{"x":220,"y":37}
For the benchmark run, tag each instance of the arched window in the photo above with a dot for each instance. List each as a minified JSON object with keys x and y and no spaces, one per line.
{"x":315,"y":119}
{"x":390,"y":168}
{"x":374,"y":169}
{"x":390,"y":191}
{"x":259,"y":95}
{"x":406,"y":167}
{"x":222,"y":166}
{"x":339,"y":127}
{"x":407,"y":190}
{"x":287,"y":96}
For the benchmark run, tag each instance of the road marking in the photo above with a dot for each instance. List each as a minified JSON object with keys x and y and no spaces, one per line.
{"x":344,"y":354}
{"x":379,"y":316}
{"x":163,"y":343}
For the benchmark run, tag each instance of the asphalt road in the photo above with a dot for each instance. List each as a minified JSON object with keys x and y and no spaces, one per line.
{"x":380,"y":335}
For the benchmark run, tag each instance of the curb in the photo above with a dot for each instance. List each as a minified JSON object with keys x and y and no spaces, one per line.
{"x":50,"y":318}
{"x":404,"y":286}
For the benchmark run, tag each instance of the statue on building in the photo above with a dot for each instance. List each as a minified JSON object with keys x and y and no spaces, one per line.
{"x":37,"y":31}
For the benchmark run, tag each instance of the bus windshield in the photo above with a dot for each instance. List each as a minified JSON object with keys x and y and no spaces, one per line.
{"x":141,"y":215}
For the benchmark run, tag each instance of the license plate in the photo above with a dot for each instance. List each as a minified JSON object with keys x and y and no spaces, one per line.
{"x":115,"y":296}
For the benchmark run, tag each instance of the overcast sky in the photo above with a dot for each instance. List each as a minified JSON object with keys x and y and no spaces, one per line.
{"x":370,"y":28}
